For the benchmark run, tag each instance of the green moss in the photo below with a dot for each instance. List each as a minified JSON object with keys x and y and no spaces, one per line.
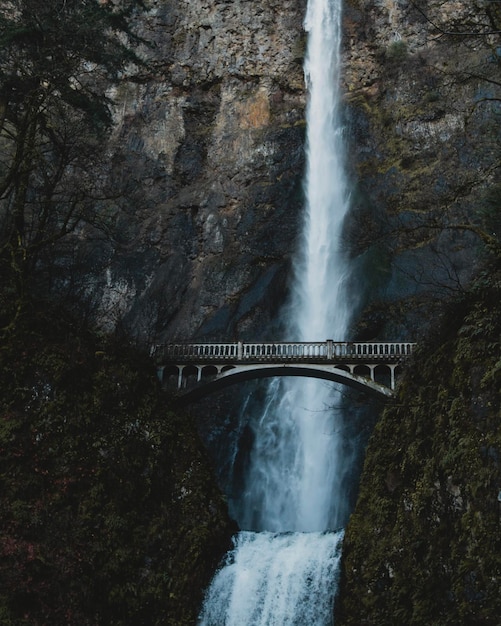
{"x":108,"y":510}
{"x":423,"y":544}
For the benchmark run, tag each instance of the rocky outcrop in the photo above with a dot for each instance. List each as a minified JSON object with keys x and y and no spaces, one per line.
{"x":421,"y":546}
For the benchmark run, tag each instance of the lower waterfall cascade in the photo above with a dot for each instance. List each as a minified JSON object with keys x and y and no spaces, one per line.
{"x":271,"y":579}
{"x":284,"y":565}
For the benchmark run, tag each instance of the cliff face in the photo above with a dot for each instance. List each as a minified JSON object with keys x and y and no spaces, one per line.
{"x":210,"y":151}
{"x":422,"y":545}
{"x":422,"y":88}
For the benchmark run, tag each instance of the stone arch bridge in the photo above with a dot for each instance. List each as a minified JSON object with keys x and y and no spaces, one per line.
{"x":197,"y":369}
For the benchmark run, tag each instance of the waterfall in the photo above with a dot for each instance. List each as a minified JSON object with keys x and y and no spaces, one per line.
{"x":283,"y":568}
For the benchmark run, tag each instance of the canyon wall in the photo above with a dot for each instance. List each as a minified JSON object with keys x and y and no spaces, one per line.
{"x":208,"y":155}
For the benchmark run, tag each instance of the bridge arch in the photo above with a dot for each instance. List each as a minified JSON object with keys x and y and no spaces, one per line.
{"x":231,"y":375}
{"x":208,"y":371}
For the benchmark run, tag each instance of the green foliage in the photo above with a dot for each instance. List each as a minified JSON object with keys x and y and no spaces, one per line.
{"x":108,"y":510}
{"x":58,"y":59}
{"x":423,"y":545}
{"x":52,"y":45}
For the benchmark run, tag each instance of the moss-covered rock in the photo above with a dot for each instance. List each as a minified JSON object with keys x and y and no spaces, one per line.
{"x":108,"y":510}
{"x":423,"y":545}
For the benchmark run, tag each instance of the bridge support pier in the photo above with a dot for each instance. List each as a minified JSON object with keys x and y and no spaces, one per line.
{"x":371,"y":370}
{"x":392,"y":375}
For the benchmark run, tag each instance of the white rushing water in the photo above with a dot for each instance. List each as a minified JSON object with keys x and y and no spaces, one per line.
{"x":284,"y":572}
{"x":270,"y":580}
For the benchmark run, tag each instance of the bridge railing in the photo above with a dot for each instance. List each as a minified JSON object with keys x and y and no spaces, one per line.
{"x":282,"y":351}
